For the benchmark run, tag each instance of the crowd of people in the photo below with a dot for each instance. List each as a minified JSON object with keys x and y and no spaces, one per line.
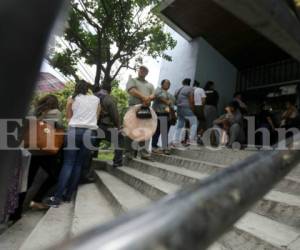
{"x":94,"y":117}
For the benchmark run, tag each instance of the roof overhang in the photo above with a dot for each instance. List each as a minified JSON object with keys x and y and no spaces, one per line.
{"x":245,"y":43}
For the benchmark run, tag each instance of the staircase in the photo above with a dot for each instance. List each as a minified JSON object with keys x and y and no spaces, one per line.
{"x":273,"y":223}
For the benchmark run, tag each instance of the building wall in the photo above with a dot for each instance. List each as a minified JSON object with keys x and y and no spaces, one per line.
{"x":183,"y":64}
{"x":212,"y":66}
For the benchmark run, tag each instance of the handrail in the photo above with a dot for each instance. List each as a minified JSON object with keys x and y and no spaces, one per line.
{"x":194,"y":217}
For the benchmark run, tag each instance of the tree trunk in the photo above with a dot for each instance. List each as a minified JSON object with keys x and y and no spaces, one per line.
{"x":97,"y":78}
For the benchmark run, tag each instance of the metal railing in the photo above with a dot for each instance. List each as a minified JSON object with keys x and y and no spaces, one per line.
{"x":197,"y":216}
{"x":278,"y":73}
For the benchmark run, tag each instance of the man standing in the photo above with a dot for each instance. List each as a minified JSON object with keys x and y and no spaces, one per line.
{"x":140,"y":92}
{"x":110,"y":124}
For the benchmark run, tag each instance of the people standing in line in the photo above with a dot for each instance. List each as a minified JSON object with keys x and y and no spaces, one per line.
{"x":110,"y":124}
{"x":211,"y":104}
{"x":163,"y":105}
{"x":199,"y":99}
{"x":82,"y":114}
{"x":140,"y":92}
{"x":185,"y":111}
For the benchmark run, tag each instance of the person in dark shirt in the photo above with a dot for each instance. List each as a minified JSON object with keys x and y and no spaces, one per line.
{"x":265,"y":121}
{"x":211,"y":104}
{"x":110,"y":123}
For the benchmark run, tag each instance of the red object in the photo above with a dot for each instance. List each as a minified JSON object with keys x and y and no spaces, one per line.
{"x":48,"y":83}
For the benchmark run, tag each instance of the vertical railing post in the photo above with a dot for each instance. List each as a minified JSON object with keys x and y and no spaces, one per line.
{"x":25,"y":27}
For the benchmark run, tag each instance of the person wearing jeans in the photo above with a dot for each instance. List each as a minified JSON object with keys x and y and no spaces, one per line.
{"x":185,"y":113}
{"x":185,"y":104}
{"x":82,"y":113}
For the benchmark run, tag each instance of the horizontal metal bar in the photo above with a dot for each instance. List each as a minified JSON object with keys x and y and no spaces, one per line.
{"x":195,"y":217}
{"x":274,"y":85}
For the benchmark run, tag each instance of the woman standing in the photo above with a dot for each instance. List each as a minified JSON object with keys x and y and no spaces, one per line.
{"x":82,"y":114}
{"x":163,"y":106}
{"x":211,"y":105}
{"x":47,"y":110}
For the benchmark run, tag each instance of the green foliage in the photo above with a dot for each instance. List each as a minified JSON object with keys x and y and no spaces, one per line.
{"x":62,"y":97}
{"x":122,"y":100}
{"x":108,"y":34}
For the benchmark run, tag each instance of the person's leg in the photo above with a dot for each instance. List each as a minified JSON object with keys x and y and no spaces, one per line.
{"x":49,"y":163}
{"x":156,"y":135}
{"x":129,"y":151}
{"x":70,"y":155}
{"x":234,"y":133}
{"x":82,"y":154}
{"x":115,"y":138}
{"x":144,"y":152}
{"x":87,"y":168}
{"x":118,"y":153}
{"x":164,"y":129}
{"x":179,"y":127}
{"x":194,"y":127}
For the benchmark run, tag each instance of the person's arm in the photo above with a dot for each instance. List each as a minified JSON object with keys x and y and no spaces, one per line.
{"x":69,"y":111}
{"x":192,"y":101}
{"x":203,"y":97}
{"x":161,"y":98}
{"x":270,"y":121}
{"x":134,"y":92}
{"x":98,"y":111}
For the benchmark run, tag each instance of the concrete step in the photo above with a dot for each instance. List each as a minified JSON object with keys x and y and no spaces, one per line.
{"x":195,"y":165}
{"x":279,"y":206}
{"x":52,"y":228}
{"x":173,"y":174}
{"x":14,"y":237}
{"x":254,"y":228}
{"x":290,"y":184}
{"x":91,"y":209}
{"x":122,"y":196}
{"x":217,"y":246}
{"x":151,"y":186}
{"x":273,"y":233}
{"x":222,"y":156}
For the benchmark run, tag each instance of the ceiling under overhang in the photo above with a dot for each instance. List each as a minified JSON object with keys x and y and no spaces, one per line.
{"x":235,"y":40}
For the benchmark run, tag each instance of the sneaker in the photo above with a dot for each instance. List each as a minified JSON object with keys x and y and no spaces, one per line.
{"x":117,"y":165}
{"x":167,"y":152}
{"x":176,"y":145}
{"x":38,"y":206}
{"x":147,"y":158}
{"x":52,"y":202}
{"x":157,"y":151}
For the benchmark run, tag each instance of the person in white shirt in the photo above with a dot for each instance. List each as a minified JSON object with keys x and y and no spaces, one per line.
{"x":82,"y":114}
{"x":199,"y":100}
